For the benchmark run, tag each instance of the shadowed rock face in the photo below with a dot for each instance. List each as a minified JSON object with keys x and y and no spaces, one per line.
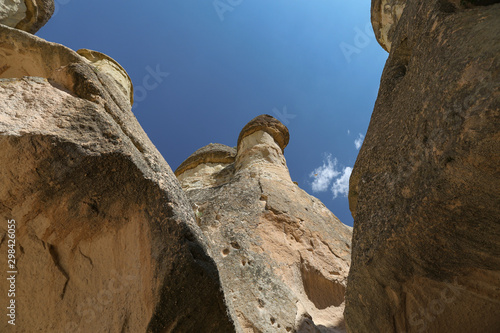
{"x":27,"y":15}
{"x":282,"y":255}
{"x":106,"y":238}
{"x":424,"y":189}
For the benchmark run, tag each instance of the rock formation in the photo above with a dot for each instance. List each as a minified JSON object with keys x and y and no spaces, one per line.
{"x":27,"y":15}
{"x":385,"y":16}
{"x":424,"y":189}
{"x":282,"y":256}
{"x":106,"y":240}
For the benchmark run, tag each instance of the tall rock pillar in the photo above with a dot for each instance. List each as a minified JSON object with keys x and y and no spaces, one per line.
{"x":283,"y":257}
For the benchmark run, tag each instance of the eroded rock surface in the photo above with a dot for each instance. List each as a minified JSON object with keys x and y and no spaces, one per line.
{"x":106,"y":238}
{"x":283,"y":257}
{"x":27,"y":15}
{"x":385,"y":16}
{"x":424,"y":189}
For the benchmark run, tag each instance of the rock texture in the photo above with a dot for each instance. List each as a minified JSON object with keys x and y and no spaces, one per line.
{"x":12,"y":12}
{"x":106,"y":239}
{"x":27,"y":15}
{"x":114,"y":70}
{"x":283,"y":257}
{"x":424,"y":189}
{"x":385,"y":16}
{"x":202,"y":168}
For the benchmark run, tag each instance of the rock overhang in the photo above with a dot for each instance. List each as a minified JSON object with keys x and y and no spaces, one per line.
{"x":110,"y":66}
{"x":211,"y":153}
{"x":27,"y":15}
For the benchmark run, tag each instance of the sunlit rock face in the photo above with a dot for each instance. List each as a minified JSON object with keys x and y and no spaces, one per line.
{"x":27,"y":15}
{"x":424,"y":189}
{"x":103,"y":63}
{"x":385,"y":15}
{"x":282,"y":256}
{"x":12,"y":12}
{"x":206,"y":167}
{"x":106,"y":240}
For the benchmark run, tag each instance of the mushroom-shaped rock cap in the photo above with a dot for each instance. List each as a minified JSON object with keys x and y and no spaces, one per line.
{"x":212,"y":153}
{"x":269,"y":124}
{"x":27,"y":15}
{"x":111,"y":67}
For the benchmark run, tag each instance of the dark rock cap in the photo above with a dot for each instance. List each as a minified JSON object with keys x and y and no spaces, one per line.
{"x":268,"y":124}
{"x":212,"y":153}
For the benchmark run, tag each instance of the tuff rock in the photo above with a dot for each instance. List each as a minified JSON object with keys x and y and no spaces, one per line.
{"x":106,"y":240}
{"x":424,"y":189}
{"x":282,"y":256}
{"x":27,"y":15}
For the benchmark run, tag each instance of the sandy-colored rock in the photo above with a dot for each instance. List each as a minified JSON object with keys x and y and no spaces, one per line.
{"x":268,"y":124}
{"x":424,"y":191}
{"x":106,"y":240}
{"x":283,"y":257}
{"x":27,"y":15}
{"x":111,"y":68}
{"x":202,"y":168}
{"x":385,"y":15}
{"x":12,"y":12}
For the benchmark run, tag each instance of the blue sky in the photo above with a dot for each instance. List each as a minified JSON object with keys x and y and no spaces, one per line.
{"x":313,"y":64}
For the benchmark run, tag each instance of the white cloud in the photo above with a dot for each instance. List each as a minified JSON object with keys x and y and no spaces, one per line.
{"x":341,"y":185}
{"x":324,"y":174}
{"x":348,"y":132}
{"x":359,"y":141}
{"x":328,"y":176}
